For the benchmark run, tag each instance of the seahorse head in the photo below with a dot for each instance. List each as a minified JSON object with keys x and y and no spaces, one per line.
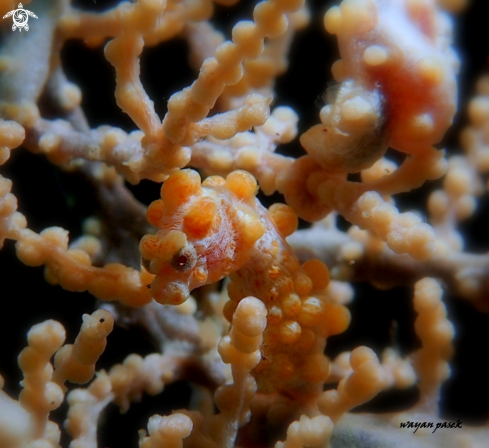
{"x":205,"y":231}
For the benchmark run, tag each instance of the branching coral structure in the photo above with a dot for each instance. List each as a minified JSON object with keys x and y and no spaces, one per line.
{"x":239,"y":247}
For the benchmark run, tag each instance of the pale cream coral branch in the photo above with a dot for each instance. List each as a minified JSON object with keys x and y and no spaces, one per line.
{"x":167,"y":431}
{"x":315,"y":192}
{"x":76,"y":363}
{"x":165,"y":149}
{"x":193,"y":104}
{"x":399,"y":372}
{"x":95,"y":28}
{"x":11,"y":136}
{"x":358,"y":256}
{"x":43,"y":388}
{"x":62,"y":143}
{"x":85,"y":407}
{"x":14,"y":421}
{"x":241,"y":349}
{"x":259,"y":74}
{"x":73,"y":270}
{"x":315,"y":431}
{"x":150,"y":155}
{"x":40,"y":394}
{"x":123,"y":384}
{"x":436,"y":333}
{"x":250,"y":151}
{"x":367,"y":379}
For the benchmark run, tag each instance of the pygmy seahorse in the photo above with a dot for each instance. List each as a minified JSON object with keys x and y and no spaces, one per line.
{"x":218,"y":228}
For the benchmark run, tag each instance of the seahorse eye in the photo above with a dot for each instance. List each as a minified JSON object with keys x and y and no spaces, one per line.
{"x":181,"y":260}
{"x":184,"y":259}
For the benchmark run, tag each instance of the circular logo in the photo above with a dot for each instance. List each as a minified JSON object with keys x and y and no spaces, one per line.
{"x":20,"y":18}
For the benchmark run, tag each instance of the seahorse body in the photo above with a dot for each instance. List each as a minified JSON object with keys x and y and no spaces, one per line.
{"x":206,"y":232}
{"x":300,"y":314}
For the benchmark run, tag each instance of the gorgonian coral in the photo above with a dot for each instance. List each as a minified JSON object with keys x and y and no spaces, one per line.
{"x":255,"y":315}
